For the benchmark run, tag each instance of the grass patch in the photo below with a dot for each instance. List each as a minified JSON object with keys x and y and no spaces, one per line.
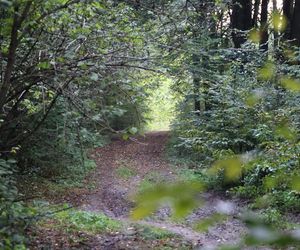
{"x":124,"y":169}
{"x":154,"y":233}
{"x":186,"y":174}
{"x":89,"y":222}
{"x":150,"y":180}
{"x":145,"y":185}
{"x":125,"y":172}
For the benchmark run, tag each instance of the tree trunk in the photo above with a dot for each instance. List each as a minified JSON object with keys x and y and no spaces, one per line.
{"x":197,"y":105}
{"x":264,"y":25}
{"x":196,"y":84}
{"x":276,"y":36}
{"x":287,"y":8}
{"x":255,"y":13}
{"x":241,"y":20}
{"x":17,"y":22}
{"x":10,"y":60}
{"x":295,"y":24}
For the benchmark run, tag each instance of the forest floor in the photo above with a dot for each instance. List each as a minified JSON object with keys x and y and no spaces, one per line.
{"x":124,"y":168}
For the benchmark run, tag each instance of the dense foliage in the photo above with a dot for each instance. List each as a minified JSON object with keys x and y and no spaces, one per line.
{"x":248,"y":118}
{"x":65,"y":86}
{"x":72,"y":73}
{"x":252,"y":118}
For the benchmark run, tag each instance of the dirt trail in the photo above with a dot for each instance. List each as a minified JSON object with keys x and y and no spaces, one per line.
{"x":143,"y":161}
{"x":143,"y":157}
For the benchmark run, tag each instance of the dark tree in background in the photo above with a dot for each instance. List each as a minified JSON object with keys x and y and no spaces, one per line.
{"x":295,"y":23}
{"x":291,"y":10}
{"x":255,"y":12}
{"x":241,"y":20}
{"x":264,"y":25}
{"x":75,"y":72}
{"x":287,"y":10}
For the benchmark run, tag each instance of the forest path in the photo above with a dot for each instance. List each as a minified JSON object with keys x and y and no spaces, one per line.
{"x":126,"y":167}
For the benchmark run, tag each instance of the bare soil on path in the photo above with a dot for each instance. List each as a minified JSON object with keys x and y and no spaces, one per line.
{"x":123,"y":169}
{"x":146,"y":161}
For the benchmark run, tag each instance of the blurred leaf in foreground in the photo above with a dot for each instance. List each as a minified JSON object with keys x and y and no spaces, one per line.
{"x":279,"y":21}
{"x":231,"y":166}
{"x":285,"y":131}
{"x":125,"y":136}
{"x":254,"y":35}
{"x":296,"y":183}
{"x":206,"y":223}
{"x":133,"y":130}
{"x":182,"y":197}
{"x":254,"y":97}
{"x":267,"y":71}
{"x":290,"y":84}
{"x":270,"y":182}
{"x":262,"y":233}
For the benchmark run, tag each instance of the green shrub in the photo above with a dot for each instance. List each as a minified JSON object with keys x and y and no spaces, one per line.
{"x":14,"y":215}
{"x":273,"y":217}
{"x":87,"y":221}
{"x":286,"y":201}
{"x":247,"y":192}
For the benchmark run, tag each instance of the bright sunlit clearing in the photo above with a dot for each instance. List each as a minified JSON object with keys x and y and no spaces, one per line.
{"x":161,"y":106}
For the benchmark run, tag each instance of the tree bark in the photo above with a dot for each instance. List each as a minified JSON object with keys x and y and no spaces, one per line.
{"x":276,"y":36}
{"x":241,"y":20}
{"x":17,"y":22}
{"x":255,"y":13}
{"x":196,"y":84}
{"x":295,"y":24}
{"x":264,"y":25}
{"x":287,"y":9}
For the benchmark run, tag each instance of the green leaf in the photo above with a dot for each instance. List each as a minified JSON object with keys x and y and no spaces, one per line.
{"x":133,"y":130}
{"x":183,"y":206}
{"x":143,"y":211}
{"x":254,"y":97}
{"x":254,"y":36}
{"x":286,"y":132}
{"x":181,"y":196}
{"x":296,"y":183}
{"x":267,"y":71}
{"x":290,"y":84}
{"x":44,"y":65}
{"x":94,"y":77}
{"x":125,"y":136}
{"x":279,"y":21}
{"x":232,"y":167}
{"x":204,"y":224}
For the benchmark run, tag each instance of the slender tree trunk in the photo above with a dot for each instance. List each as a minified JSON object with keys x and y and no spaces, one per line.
{"x":10,"y":60}
{"x":264,"y":25}
{"x":275,"y":9}
{"x":255,"y":13}
{"x":295,"y":24}
{"x":17,"y":22}
{"x":287,"y":9}
{"x":197,"y":104}
{"x":196,"y":84}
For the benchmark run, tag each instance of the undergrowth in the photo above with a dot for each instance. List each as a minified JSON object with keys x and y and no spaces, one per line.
{"x":76,"y":220}
{"x":124,"y":169}
{"x":274,"y":205}
{"x":78,"y":226}
{"x":149,"y":181}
